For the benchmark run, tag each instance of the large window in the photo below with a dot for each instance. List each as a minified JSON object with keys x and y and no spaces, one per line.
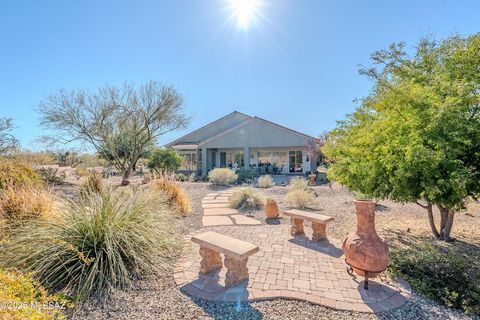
{"x":189,"y":160}
{"x":295,"y":161}
{"x":278,"y":159}
{"x":231,"y":159}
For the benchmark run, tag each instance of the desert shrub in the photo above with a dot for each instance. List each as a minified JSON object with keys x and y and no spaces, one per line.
{"x":222,"y":176}
{"x":93,"y":184}
{"x":27,"y":297}
{"x":101,"y":242}
{"x":17,"y":174}
{"x":81,"y":172}
{"x":246,"y":175}
{"x":148,"y":177}
{"x":192,"y":177}
{"x":265,"y":181}
{"x":447,"y":277}
{"x":50,"y":175}
{"x":300,"y":199}
{"x":174,"y":194}
{"x":164,"y":159}
{"x":238,"y":199}
{"x":18,"y":204}
{"x":181,"y":177}
{"x":298,"y":183}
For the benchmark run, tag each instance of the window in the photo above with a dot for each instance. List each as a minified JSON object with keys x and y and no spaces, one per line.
{"x":189,"y":160}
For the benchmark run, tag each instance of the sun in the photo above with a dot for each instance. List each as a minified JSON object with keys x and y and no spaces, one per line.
{"x":244,"y":11}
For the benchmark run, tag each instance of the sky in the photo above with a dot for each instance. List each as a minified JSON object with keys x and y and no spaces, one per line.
{"x":294,"y":63}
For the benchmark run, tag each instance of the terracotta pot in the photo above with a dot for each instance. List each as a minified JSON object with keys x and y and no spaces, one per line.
{"x":312,"y":179}
{"x":364,"y":249}
{"x":271,"y":209}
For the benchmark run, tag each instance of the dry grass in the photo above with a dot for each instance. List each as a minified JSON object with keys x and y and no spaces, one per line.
{"x":17,"y":174}
{"x":93,"y":184}
{"x":222,"y":176}
{"x":298,"y":183}
{"x":265,"y":181}
{"x":240,"y":199}
{"x":175,"y":195}
{"x":301,"y":199}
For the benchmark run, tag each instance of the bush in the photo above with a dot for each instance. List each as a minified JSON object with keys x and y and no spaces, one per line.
{"x":17,"y":174}
{"x":238,"y":199}
{"x":246,"y":175}
{"x":265,"y":181}
{"x":18,"y":204}
{"x":298,"y":183}
{"x":222,"y":176}
{"x":50,"y":175}
{"x":174,"y":194}
{"x":94,"y":245}
{"x":300,"y":199}
{"x":94,"y":184}
{"x":181,"y":177}
{"x":192,"y":177}
{"x":165,"y":159}
{"x":28,"y":297}
{"x":448,"y":278}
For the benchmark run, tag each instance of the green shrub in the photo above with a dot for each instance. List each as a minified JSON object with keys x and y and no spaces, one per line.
{"x":181,"y":177}
{"x":222,"y":176}
{"x":50,"y":175}
{"x":29,"y":297}
{"x":164,"y":159}
{"x":246,"y":175}
{"x":17,"y":175}
{"x":94,"y":245}
{"x":301,"y":199}
{"x":447,"y":277}
{"x":265,"y":181}
{"x":298,"y":183}
{"x":238,"y":199}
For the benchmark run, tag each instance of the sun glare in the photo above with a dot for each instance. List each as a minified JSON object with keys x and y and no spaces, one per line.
{"x":244,"y":11}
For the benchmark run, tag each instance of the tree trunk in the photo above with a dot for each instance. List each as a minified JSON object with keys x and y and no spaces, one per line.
{"x":126,"y":173}
{"x":446,"y":222}
{"x":431,"y":220}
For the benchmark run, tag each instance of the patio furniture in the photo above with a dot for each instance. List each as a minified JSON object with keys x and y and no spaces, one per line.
{"x":319,"y":223}
{"x":236,"y":255}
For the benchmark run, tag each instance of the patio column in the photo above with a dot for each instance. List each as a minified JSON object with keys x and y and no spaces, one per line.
{"x":246,"y":157}
{"x":204,"y":161}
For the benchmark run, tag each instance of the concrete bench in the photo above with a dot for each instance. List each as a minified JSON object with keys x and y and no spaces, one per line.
{"x":319,"y":223}
{"x":236,"y":255}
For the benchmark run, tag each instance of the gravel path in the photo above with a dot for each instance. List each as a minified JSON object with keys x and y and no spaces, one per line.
{"x":159,"y":298}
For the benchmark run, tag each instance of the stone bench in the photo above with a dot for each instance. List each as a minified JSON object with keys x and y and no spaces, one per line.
{"x":319,"y":223}
{"x":236,"y":255}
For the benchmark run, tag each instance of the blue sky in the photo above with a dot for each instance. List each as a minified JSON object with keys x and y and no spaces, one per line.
{"x":296,"y":64}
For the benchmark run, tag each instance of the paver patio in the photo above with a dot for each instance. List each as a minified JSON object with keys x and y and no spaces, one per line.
{"x":292,"y":268}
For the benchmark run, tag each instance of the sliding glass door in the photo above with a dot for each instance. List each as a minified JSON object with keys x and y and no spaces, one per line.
{"x":295,"y":161}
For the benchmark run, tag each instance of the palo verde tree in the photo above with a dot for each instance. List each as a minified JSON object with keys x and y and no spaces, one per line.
{"x":114,"y":118}
{"x":416,"y":137}
{"x":8,"y":143}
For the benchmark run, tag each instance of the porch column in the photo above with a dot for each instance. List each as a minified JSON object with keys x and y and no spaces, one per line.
{"x":246,"y":157}
{"x":204,"y":161}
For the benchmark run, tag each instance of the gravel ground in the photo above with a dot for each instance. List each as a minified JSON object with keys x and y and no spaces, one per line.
{"x":159,"y":298}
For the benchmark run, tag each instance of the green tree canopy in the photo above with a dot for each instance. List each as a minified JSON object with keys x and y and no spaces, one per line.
{"x":164,"y":159}
{"x":416,"y":137}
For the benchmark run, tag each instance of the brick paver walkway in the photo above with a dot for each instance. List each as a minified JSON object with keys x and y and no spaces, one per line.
{"x":289,"y":267}
{"x":216,"y":211}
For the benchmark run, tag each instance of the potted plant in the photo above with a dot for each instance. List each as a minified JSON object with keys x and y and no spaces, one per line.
{"x":271,"y":208}
{"x":312,"y":176}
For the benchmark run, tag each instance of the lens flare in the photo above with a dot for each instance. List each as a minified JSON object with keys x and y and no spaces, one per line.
{"x":244,"y":11}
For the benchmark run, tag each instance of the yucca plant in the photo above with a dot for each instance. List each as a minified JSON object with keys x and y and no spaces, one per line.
{"x":94,"y":245}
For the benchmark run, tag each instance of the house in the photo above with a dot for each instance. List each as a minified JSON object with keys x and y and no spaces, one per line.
{"x":239,"y":140}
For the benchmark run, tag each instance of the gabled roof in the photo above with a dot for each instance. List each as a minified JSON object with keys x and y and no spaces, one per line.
{"x":249,"y":119}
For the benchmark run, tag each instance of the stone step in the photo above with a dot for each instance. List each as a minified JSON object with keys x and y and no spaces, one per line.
{"x":208,"y":221}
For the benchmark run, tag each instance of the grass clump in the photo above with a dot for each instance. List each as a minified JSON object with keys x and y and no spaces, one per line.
{"x":222,"y":176}
{"x":447,"y":277}
{"x":174,"y":194}
{"x":18,"y":204}
{"x":246,"y":198}
{"x":99,"y":243}
{"x":301,"y":199}
{"x":298,"y":183}
{"x":93,"y":185}
{"x":17,"y":174}
{"x":265,"y":181}
{"x":28,"y":299}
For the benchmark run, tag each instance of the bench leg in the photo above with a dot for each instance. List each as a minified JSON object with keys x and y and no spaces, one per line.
{"x":237,"y":271}
{"x":297,"y":226}
{"x":319,"y":231}
{"x":211,"y":260}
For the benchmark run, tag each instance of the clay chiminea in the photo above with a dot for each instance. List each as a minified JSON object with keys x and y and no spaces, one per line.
{"x":312,"y":179}
{"x":365,"y":252}
{"x":271,"y":209}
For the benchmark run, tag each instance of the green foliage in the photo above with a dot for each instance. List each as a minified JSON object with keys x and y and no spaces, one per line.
{"x":17,"y":175}
{"x":222,"y":176}
{"x":246,"y":175}
{"x":417,"y":135}
{"x":446,"y":277}
{"x":164,"y":159}
{"x":30,"y":298}
{"x":246,"y":198}
{"x":181,"y":177}
{"x":97,"y":244}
